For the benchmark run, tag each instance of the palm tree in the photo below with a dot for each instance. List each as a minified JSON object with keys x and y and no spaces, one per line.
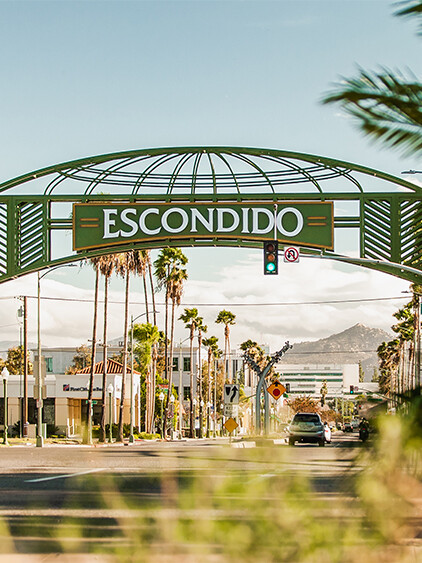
{"x":250,"y":346}
{"x":190,"y":318}
{"x":200,"y":328}
{"x":126,"y":264}
{"x":212,"y":344}
{"x":389,"y":354}
{"x":147,"y":335}
{"x":169,"y":260}
{"x":96,"y":264}
{"x":227,"y":318}
{"x":151,"y":283}
{"x":141,"y":270}
{"x":168,"y":263}
{"x":175,"y":284}
{"x":386,"y":105}
{"x":107,"y":265}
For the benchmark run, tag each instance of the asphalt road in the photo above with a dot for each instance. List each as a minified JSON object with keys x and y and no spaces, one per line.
{"x":61,"y":499}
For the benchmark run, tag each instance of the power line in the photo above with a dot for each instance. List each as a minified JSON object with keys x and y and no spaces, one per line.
{"x":230,"y":304}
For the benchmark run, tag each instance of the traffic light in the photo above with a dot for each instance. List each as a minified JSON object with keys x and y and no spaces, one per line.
{"x":352,"y":389}
{"x":270,"y":258}
{"x":287,"y":386}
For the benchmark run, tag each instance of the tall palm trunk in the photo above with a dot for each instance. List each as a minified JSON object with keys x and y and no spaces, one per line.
{"x":124,"y":369}
{"x":201,"y":414}
{"x":166,"y":320}
{"x":170,"y":373}
{"x":209,"y":391}
{"x":151,"y":398}
{"x":103,"y":389}
{"x":192,"y":409}
{"x":151,"y":284}
{"x":93,"y":351}
{"x":151,"y":391}
{"x":144,"y":281}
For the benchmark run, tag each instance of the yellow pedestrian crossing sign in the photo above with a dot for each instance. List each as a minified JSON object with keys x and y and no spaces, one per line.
{"x":230,"y":425}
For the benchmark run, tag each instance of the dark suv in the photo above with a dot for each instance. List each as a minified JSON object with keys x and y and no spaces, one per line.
{"x":306,"y":427}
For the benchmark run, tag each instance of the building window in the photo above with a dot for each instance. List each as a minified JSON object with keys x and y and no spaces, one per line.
{"x":49,"y":365}
{"x":186,"y":393}
{"x":176,"y":364}
{"x":186,"y":364}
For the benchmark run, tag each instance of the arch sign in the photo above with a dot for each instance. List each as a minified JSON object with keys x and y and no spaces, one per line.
{"x":98,"y":225}
{"x":210,"y":196}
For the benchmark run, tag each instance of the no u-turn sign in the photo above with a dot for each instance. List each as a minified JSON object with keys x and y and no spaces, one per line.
{"x":291,"y":254}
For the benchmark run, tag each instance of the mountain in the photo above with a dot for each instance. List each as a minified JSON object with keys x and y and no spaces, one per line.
{"x":358,"y":343}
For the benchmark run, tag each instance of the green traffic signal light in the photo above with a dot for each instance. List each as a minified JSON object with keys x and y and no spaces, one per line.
{"x":271,"y":257}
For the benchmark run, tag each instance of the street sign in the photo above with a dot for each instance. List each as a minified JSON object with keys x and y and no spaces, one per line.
{"x":230,"y":410}
{"x":230,"y":425}
{"x":276,"y":390}
{"x":291,"y":254}
{"x":231,"y":394}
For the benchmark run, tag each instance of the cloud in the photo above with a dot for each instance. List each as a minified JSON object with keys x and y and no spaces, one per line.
{"x":298,"y":304}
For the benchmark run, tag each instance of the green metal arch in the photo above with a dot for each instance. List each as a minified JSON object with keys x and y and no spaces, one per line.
{"x":384,"y":209}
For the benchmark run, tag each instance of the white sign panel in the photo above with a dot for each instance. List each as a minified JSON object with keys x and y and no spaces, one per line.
{"x":231,"y":394}
{"x":230,"y":410}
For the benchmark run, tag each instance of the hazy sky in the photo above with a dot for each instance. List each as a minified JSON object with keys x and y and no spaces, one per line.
{"x":83,"y":78}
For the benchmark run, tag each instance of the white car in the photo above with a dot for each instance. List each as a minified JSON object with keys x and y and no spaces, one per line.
{"x":306,"y":428}
{"x":327,"y":433}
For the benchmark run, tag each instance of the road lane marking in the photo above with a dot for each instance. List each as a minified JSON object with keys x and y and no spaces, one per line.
{"x":66,"y":476}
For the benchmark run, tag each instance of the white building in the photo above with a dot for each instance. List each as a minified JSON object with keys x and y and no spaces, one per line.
{"x":308,"y":379}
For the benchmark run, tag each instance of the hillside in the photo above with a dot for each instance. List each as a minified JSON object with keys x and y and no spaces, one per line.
{"x":357,"y":343}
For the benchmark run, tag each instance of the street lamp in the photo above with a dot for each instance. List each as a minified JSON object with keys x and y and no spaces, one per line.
{"x":40,"y":437}
{"x":132,"y":410}
{"x":5,"y":375}
{"x":161,"y":397}
{"x":110,"y":411}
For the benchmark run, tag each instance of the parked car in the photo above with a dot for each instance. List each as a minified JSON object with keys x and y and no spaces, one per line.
{"x":306,"y":427}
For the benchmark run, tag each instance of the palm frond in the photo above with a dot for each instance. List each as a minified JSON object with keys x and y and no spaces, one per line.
{"x":386,"y":106}
{"x":411,"y":8}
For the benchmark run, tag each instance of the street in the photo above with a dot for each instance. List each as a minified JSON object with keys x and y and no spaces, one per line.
{"x":78,"y":499}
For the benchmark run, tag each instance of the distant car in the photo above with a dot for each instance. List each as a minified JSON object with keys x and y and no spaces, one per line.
{"x":306,"y":427}
{"x":355,"y":424}
{"x":327,"y":433}
{"x":347,"y":427}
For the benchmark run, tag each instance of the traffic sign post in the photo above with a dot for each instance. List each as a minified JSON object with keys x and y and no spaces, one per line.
{"x":231,"y":394}
{"x":231,"y":411}
{"x":230,"y":425}
{"x":231,"y":404}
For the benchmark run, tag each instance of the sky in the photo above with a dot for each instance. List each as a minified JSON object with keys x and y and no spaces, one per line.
{"x":83,"y":78}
